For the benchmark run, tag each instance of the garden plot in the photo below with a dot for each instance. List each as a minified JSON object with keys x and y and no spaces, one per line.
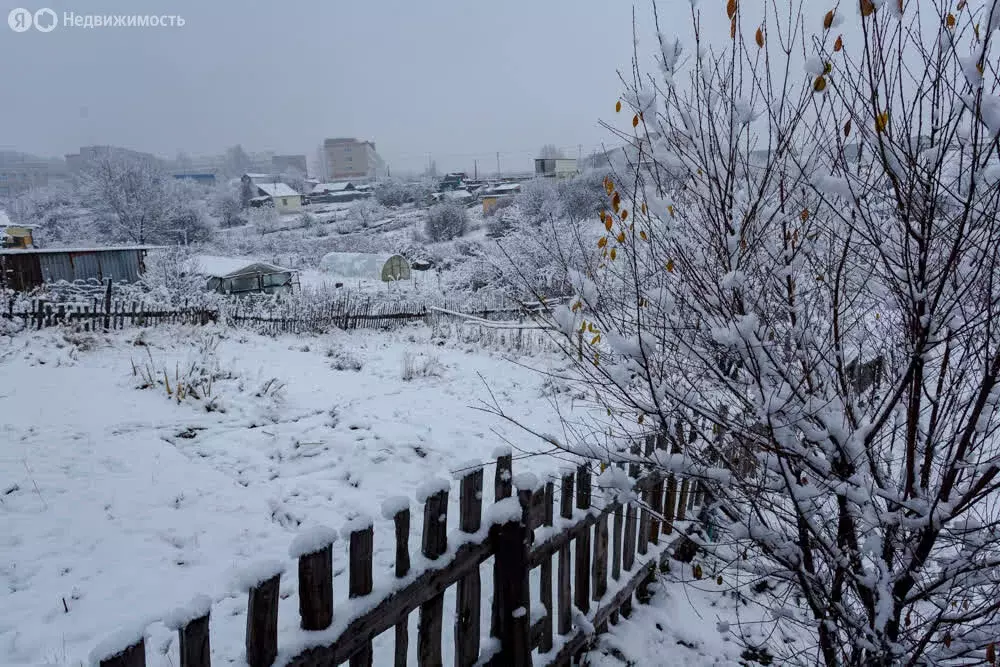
{"x":120,"y":503}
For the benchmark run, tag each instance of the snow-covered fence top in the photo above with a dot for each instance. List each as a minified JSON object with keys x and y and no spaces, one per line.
{"x":521,"y":532}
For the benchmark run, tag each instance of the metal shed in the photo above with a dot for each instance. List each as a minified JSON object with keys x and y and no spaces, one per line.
{"x":233,"y":275}
{"x":23,"y":270}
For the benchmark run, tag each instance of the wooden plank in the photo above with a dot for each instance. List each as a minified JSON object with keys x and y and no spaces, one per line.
{"x":131,"y":656}
{"x":545,"y":575}
{"x":194,"y":644}
{"x":503,"y":487}
{"x":564,"y":595}
{"x":644,"y":523}
{"x":669,"y":502}
{"x":581,"y":584}
{"x":510,"y":548}
{"x":467,"y":603}
{"x":402,"y":634}
{"x":262,"y":623}
{"x":600,"y":569}
{"x":360,"y":582}
{"x":435,"y":543}
{"x":616,"y":549}
{"x":316,"y":589}
{"x":628,"y":550}
{"x":656,"y":509}
{"x":682,"y":501}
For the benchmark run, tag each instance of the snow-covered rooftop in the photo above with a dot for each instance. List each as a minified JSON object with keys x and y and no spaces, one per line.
{"x":4,"y":219}
{"x":332,"y":187}
{"x":277,"y":190}
{"x":215,"y":266}
{"x":52,"y":251}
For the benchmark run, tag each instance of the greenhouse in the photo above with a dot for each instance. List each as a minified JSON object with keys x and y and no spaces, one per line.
{"x":370,"y":266}
{"x":227,"y":275}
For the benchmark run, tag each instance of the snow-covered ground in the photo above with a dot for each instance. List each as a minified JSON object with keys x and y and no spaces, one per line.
{"x":120,"y":503}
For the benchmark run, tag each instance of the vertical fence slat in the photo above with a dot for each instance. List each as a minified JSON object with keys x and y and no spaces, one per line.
{"x":262,"y":623}
{"x":581,"y":586}
{"x":467,"y":605}
{"x":616,"y":550}
{"x":565,"y":592}
{"x":669,"y":502}
{"x":360,"y":580}
{"x":435,"y":543}
{"x":316,"y":589}
{"x":600,"y":570}
{"x":682,"y":501}
{"x":503,"y":487}
{"x":510,"y":548}
{"x":628,"y":551}
{"x":132,"y":656}
{"x":401,"y":520}
{"x":545,"y":575}
{"x":194,"y":643}
{"x":643,"y":540}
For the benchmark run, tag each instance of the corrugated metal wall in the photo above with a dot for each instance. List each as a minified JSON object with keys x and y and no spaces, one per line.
{"x":120,"y":265}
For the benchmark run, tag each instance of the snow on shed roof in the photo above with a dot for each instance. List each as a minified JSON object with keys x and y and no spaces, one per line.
{"x":277,"y":190}
{"x":4,"y":219}
{"x":56,"y":251}
{"x":214,"y":266}
{"x":332,"y":187}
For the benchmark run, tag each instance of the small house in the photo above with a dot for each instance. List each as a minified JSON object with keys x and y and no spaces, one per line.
{"x":238,"y":276}
{"x":366,"y":266}
{"x":281,"y":196}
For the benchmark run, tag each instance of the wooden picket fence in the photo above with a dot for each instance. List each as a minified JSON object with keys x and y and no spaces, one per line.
{"x":95,"y":316}
{"x":580,"y":601}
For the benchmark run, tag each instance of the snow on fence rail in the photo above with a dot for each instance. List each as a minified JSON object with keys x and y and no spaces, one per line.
{"x":521,"y":533}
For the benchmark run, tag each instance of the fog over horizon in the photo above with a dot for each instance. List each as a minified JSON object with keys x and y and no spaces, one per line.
{"x":446,"y":80}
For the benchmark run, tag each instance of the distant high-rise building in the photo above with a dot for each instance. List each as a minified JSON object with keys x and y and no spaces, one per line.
{"x":20,"y":172}
{"x":351,"y":159}
{"x":89,"y":154}
{"x":283,"y":163}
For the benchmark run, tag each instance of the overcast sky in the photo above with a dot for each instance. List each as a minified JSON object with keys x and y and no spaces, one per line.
{"x":457,"y":79}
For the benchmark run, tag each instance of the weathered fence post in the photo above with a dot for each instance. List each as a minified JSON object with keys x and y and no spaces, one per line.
{"x":503,"y":487}
{"x":467,"y":605}
{"x":435,"y":543}
{"x":510,"y":549}
{"x":398,"y":509}
{"x":133,"y":655}
{"x":362,"y":547}
{"x":314,"y":551}
{"x":262,"y":616}
{"x":40,"y":305}
{"x":107,"y":307}
{"x":564,"y":595}
{"x":582,"y":585}
{"x":545,"y":576}
{"x":192,"y":626}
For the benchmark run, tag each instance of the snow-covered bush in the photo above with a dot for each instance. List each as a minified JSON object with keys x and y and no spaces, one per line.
{"x":392,"y":193}
{"x":364,"y":213}
{"x":224,"y":203}
{"x":263,"y":219}
{"x":420,"y":366}
{"x":445,"y":222}
{"x":796,"y":290}
{"x":307,"y":220}
{"x":343,"y":359}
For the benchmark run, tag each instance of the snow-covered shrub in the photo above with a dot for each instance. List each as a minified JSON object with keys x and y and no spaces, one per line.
{"x":263,"y":219}
{"x":343,"y":359}
{"x":224,"y":203}
{"x":445,"y":222}
{"x":796,"y":291}
{"x":539,"y":201}
{"x":583,"y":196}
{"x":364,"y":213}
{"x":307,"y":220}
{"x":420,"y":366}
{"x":392,"y":193}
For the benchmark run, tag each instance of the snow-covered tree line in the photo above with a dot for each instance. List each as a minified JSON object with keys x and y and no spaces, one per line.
{"x":797,"y":289}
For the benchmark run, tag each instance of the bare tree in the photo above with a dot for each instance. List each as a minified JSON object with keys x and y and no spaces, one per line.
{"x":132,"y":196}
{"x":798,"y":290}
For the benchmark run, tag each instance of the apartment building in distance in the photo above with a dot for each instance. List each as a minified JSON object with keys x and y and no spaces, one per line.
{"x":351,"y":159}
{"x":283,"y":163}
{"x":20,"y":172}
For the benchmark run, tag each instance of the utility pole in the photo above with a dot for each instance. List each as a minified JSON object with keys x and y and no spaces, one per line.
{"x":475,"y":170}
{"x":498,"y":165}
